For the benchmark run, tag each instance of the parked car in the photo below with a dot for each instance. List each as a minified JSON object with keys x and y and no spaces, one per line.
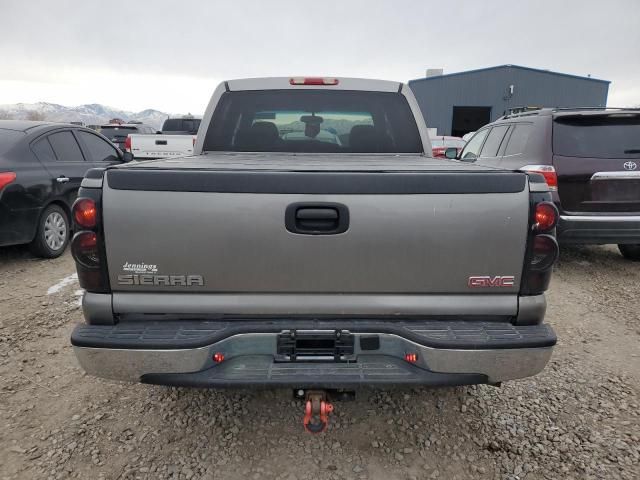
{"x":591,"y":160}
{"x":177,"y":138}
{"x":440,"y":144}
{"x":367,"y":263}
{"x":118,"y":133}
{"x":41,"y":167}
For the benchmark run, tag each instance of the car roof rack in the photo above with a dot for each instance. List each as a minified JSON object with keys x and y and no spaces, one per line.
{"x":524,"y":109}
{"x":597,"y":109}
{"x":525,"y":112}
{"x":529,"y":111}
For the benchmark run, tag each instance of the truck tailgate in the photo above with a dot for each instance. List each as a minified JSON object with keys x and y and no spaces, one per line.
{"x":225,"y":231}
{"x":161,"y":146}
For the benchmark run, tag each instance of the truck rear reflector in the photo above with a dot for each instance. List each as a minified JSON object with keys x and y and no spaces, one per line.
{"x":313,"y":81}
{"x":411,"y":357}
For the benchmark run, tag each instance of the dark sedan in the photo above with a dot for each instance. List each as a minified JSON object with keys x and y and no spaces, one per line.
{"x":41,"y":167}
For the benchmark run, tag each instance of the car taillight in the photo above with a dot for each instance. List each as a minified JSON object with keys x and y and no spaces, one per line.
{"x":85,"y":213}
{"x":85,"y":249}
{"x":547,"y":171}
{"x":546,"y":216}
{"x":313,"y":81}
{"x":87,"y":246}
{"x":545,"y":252}
{"x":6,"y":178}
{"x":127,"y":144}
{"x":542,"y":247}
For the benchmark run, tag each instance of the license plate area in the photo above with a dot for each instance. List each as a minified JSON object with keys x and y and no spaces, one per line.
{"x":616,"y":190}
{"x":315,"y":346}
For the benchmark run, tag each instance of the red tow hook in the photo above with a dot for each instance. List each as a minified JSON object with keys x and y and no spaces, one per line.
{"x":316,"y":412}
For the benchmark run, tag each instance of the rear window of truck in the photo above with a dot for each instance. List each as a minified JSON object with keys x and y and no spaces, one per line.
{"x":181,"y":125}
{"x":597,"y":136}
{"x":115,"y":132}
{"x":313,"y":121}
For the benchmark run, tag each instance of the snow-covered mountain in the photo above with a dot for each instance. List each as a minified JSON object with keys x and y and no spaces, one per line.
{"x":89,"y":114}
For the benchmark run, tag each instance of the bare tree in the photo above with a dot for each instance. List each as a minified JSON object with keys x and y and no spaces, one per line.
{"x":5,"y":115}
{"x":34,"y":115}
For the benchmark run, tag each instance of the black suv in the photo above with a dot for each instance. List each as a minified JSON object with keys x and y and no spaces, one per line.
{"x":590,"y":159}
{"x":41,"y":167}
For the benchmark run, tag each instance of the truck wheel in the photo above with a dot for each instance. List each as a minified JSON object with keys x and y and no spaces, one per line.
{"x":53,"y":233}
{"x":630,"y":251}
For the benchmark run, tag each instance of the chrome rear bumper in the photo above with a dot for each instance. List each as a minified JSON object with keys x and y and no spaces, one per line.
{"x":241,"y":351}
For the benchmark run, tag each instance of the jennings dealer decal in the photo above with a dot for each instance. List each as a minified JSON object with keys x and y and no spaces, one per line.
{"x":147,"y":274}
{"x":139,"y":268}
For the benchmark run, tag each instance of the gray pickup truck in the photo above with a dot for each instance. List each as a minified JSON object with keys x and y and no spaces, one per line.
{"x":312,"y":242}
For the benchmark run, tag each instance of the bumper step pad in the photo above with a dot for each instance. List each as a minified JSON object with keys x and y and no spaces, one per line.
{"x":261,"y":371}
{"x":183,"y":334}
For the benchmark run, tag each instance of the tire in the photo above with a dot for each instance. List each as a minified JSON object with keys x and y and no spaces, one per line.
{"x":53,"y":233}
{"x":630,"y":251}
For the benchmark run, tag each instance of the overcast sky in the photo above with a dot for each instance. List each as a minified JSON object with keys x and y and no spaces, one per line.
{"x":170,"y":55}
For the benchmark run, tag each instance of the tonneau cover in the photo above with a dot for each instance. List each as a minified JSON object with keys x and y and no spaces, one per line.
{"x":309,"y":162}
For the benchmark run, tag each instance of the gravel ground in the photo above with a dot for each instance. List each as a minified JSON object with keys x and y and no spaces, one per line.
{"x":579,"y":419}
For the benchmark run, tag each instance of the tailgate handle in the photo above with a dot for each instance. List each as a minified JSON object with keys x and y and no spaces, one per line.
{"x":316,"y":218}
{"x":317,"y":214}
{"x":161,"y":142}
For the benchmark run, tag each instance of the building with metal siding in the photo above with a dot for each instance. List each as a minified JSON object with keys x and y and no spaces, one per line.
{"x":462,"y":102}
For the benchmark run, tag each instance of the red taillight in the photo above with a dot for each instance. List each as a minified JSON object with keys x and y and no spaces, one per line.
{"x":85,"y":213}
{"x":545,"y":252}
{"x":411,"y":357}
{"x":87,"y":245}
{"x":313,"y":81}
{"x":218,"y":357}
{"x":6,"y":178}
{"x":127,"y":144}
{"x":547,"y":171}
{"x":84,"y":248}
{"x":88,"y":241}
{"x":194,"y":141}
{"x":546,"y":216}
